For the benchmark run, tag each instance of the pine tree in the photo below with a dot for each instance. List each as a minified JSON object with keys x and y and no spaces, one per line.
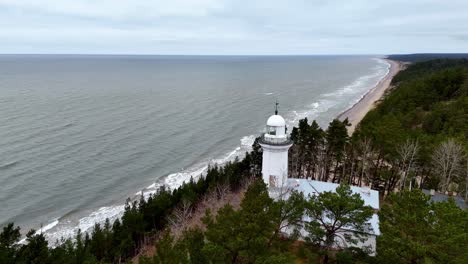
{"x":336,"y":137}
{"x":336,"y":217}
{"x":8,"y":238}
{"x":248,"y":235}
{"x":36,"y":250}
{"x":194,"y":241}
{"x":414,"y":230}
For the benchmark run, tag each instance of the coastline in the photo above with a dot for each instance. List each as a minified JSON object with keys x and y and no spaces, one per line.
{"x":357,"y":112}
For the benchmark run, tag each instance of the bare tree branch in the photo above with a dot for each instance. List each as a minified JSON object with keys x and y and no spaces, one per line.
{"x":447,"y":160}
{"x":407,"y":152}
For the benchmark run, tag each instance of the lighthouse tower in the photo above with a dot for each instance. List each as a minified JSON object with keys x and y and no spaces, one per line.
{"x":275,"y":144}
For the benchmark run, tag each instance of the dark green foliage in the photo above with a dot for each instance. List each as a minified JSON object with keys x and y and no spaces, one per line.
{"x":194,"y":242}
{"x":353,"y":255}
{"x":8,"y":238}
{"x":255,"y":158}
{"x":288,"y":214}
{"x":307,"y":254}
{"x":413,"y":230}
{"x":332,"y":213}
{"x":222,"y":235}
{"x":101,"y":243}
{"x":431,"y":99}
{"x":420,"y":57}
{"x":244,"y":234}
{"x":304,"y":155}
{"x":425,"y":68}
{"x":36,"y":250}
{"x":188,"y":249}
{"x":168,"y":251}
{"x":344,"y":258}
{"x":248,"y":235}
{"x":429,"y":104}
{"x":337,"y":138}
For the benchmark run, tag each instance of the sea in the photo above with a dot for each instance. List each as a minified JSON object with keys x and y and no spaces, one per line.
{"x":79,"y":134}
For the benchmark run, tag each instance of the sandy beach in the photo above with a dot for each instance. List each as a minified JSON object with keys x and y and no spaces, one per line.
{"x":357,"y":112}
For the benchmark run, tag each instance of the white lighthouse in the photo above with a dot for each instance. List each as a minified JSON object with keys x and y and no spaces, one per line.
{"x":275,"y":144}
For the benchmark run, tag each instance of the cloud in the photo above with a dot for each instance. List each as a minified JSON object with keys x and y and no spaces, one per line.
{"x":118,"y":8}
{"x":232,"y":27}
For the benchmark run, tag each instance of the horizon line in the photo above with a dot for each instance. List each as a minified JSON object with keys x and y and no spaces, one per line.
{"x":226,"y":55}
{"x":201,"y":54}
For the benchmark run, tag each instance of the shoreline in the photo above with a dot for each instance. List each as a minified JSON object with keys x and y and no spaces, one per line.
{"x":357,"y":112}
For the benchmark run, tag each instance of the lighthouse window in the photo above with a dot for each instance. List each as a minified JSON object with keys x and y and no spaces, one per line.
{"x":271,"y":130}
{"x":272,"y":181}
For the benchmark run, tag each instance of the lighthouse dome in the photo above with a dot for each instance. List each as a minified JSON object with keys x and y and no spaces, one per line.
{"x":276,"y":121}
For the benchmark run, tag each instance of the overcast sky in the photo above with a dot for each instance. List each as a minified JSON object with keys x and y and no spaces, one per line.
{"x":233,"y":27}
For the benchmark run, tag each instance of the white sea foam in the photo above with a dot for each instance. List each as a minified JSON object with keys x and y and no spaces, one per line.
{"x":247,"y":141}
{"x":43,"y":229}
{"x":175,"y":180}
{"x":48,"y":227}
{"x":362,"y":83}
{"x":64,"y":229}
{"x":361,"y":86}
{"x":100,"y":216}
{"x":312,"y":112}
{"x":381,"y":71}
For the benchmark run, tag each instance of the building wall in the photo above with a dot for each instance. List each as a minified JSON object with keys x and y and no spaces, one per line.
{"x":275,"y":164}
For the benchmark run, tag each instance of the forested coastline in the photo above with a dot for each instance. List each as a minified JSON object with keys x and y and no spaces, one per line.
{"x":417,"y":135}
{"x":415,"y":138}
{"x":419,"y":57}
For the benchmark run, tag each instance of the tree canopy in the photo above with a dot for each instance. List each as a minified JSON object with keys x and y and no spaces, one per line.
{"x":337,"y":218}
{"x":414,"y":230}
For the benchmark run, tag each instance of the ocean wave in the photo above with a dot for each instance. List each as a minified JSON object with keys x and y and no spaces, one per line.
{"x":382,"y":71}
{"x":43,"y":229}
{"x":48,"y":227}
{"x":100,"y":216}
{"x":311,"y":112}
{"x":9,"y":165}
{"x":66,"y":229}
{"x":363,"y":84}
{"x":175,"y":180}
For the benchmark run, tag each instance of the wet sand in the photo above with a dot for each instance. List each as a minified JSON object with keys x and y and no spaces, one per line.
{"x":357,"y":112}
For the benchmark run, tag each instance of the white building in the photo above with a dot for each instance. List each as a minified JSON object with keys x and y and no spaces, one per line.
{"x":275,"y":143}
